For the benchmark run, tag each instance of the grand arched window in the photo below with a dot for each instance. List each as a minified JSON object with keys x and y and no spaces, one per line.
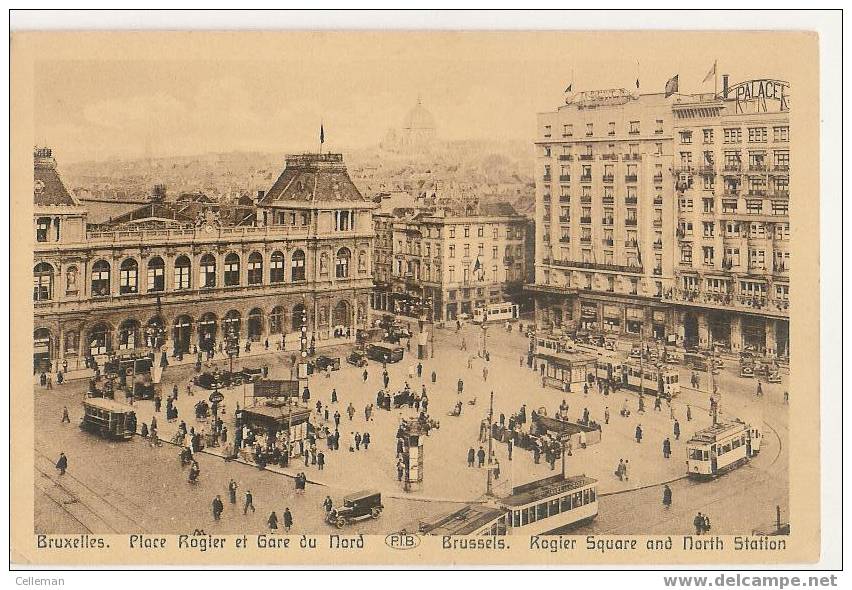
{"x":255,"y":268}
{"x":232,"y":270}
{"x":100,"y":279}
{"x":298,"y":317}
{"x":42,"y":282}
{"x":298,"y":266}
{"x":276,"y":320}
{"x":341,"y":263}
{"x":128,"y":277}
{"x":207,"y":272}
{"x":183,"y":272}
{"x":276,"y":267}
{"x":128,"y":335}
{"x":156,"y":275}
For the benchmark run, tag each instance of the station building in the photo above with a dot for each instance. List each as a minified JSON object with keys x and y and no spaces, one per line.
{"x":165,"y":275}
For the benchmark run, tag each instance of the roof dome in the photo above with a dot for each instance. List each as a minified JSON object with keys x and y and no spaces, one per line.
{"x":419,"y":118}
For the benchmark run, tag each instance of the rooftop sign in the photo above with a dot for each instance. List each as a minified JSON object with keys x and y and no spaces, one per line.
{"x":760,"y":96}
{"x":608,"y":97}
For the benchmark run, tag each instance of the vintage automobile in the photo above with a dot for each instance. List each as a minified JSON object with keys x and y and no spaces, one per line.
{"x":251,"y":375}
{"x":774,"y":377}
{"x":324,"y":362}
{"x":746,"y":371}
{"x":357,"y":506}
{"x":209,"y":380}
{"x":357,"y":358}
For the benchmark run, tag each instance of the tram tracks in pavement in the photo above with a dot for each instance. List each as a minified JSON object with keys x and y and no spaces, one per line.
{"x":75,"y":498}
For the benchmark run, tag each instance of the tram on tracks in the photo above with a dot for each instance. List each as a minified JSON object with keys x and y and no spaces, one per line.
{"x":108,"y":418}
{"x":540,"y":507}
{"x":722,"y":447}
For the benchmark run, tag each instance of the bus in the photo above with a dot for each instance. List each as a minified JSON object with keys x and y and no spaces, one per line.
{"x":496,"y":312}
{"x":655,"y":379}
{"x":722,"y":447}
{"x":384,"y":353}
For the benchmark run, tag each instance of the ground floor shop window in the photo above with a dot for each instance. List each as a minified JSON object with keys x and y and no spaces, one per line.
{"x":634,"y":326}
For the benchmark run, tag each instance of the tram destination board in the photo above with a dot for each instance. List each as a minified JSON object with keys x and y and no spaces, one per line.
{"x":276,"y":388}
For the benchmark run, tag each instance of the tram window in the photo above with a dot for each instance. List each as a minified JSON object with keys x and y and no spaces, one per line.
{"x":554,"y":507}
{"x":531,"y":513}
{"x":541,"y":511}
{"x":566,"y":503}
{"x":592,"y":495}
{"x":585,"y":496}
{"x":516,"y":518}
{"x":706,"y":456}
{"x":578,"y":499}
{"x":524,"y":517}
{"x":735,"y":444}
{"x":743,"y":439}
{"x":695,"y":454}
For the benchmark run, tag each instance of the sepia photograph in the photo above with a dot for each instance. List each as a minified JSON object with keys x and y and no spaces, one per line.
{"x":416,"y":297}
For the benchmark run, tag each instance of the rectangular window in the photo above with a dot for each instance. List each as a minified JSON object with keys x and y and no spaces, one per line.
{"x":589,"y":129}
{"x":568,"y":130}
{"x":127,"y":281}
{"x":757,"y":134}
{"x":708,"y":136}
{"x":733,"y":135}
{"x":659,"y":126}
{"x":781,"y":134}
{"x":452,"y":231}
{"x":181,"y":277}
{"x":156,"y":279}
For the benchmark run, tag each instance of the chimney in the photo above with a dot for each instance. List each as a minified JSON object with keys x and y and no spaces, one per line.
{"x":724,"y":85}
{"x":260,"y":195}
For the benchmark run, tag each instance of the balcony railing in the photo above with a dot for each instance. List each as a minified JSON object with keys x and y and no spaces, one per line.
{"x":585,"y":239}
{"x":658,"y":201}
{"x":631,"y":244}
{"x":658,"y":178}
{"x":564,"y":199}
{"x":658,"y":271}
{"x":631,"y":200}
{"x":630,"y":221}
{"x":631,"y":157}
{"x":756,"y":193}
{"x":607,"y":242}
{"x":758,"y":168}
{"x":599,"y":266}
{"x":586,"y":178}
{"x":586,"y":199}
{"x":546,"y":198}
{"x":566,"y":157}
{"x":658,"y":245}
{"x":784,"y":168}
{"x":657,"y":223}
{"x":609,"y":156}
{"x":607,"y":221}
{"x":733,"y":168}
{"x":729,"y":300}
{"x":547,"y":178}
{"x":585,"y":219}
{"x":630,"y":177}
{"x":608,"y":200}
{"x":564,"y":178}
{"x":587,"y":157}
{"x":564,"y":219}
{"x":608,"y":178}
{"x":564,"y":240}
{"x":683,"y":169}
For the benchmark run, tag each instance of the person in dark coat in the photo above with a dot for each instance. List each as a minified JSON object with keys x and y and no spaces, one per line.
{"x":62,"y":463}
{"x":328,"y":504}
{"x":365,"y":440}
{"x":218,"y":507}
{"x":480,"y":455}
{"x":288,"y":520}
{"x":460,"y":387}
{"x":334,"y":396}
{"x":667,"y":496}
{"x":232,"y":491}
{"x":65,"y":418}
{"x":272,"y":522}
{"x":676,"y":430}
{"x":249,"y":503}
{"x":434,"y":376}
{"x":638,"y":434}
{"x":320,"y":460}
{"x":667,"y":449}
{"x":471,"y":457}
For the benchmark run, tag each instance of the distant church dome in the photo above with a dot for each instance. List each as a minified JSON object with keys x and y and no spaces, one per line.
{"x":419,"y":118}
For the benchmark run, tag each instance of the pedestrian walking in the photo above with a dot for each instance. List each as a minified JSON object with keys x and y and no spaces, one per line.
{"x":320,"y":460}
{"x":626,"y":470}
{"x":365,"y":440}
{"x":619,"y":470}
{"x":676,"y":430}
{"x":689,"y":413}
{"x":357,"y":441}
{"x":485,"y":373}
{"x":667,"y":448}
{"x":434,"y":377}
{"x":288,"y":520}
{"x":471,"y":457}
{"x":400,"y":469}
{"x":249,"y":502}
{"x":786,"y":397}
{"x":334,"y":396}
{"x":698,"y":523}
{"x":510,"y":445}
{"x":667,"y":496}
{"x":218,"y":507}
{"x":232,"y":491}
{"x":460,"y":387}
{"x":272,"y":522}
{"x":759,"y":389}
{"x":365,"y":375}
{"x":480,"y":455}
{"x":62,"y":463}
{"x":66,"y":419}
{"x":638,"y":433}
{"x":327,"y":504}
{"x":606,"y":415}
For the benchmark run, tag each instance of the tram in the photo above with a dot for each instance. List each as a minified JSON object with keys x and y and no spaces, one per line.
{"x":546,"y":506}
{"x":496,"y":312}
{"x":108,"y":418}
{"x":661,"y":379}
{"x":720,"y":448}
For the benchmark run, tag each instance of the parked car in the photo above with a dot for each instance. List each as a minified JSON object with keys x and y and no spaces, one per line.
{"x":209,"y":380}
{"x":357,"y":506}
{"x":324,"y":362}
{"x":357,"y":358}
{"x":774,"y":377}
{"x":251,"y":375}
{"x":746,"y":371}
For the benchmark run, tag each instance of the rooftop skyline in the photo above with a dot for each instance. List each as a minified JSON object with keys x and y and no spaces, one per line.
{"x":274,"y":92}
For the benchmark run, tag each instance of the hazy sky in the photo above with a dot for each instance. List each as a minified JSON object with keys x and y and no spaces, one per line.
{"x":268,"y":92}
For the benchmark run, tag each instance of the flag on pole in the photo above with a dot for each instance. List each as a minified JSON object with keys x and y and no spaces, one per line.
{"x":322,"y":134}
{"x":671,"y":86}
{"x":476,"y":265}
{"x":711,"y":74}
{"x":569,"y":87}
{"x":637,"y":83}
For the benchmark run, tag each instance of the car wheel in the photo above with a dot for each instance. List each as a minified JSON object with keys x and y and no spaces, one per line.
{"x":375,"y":512}
{"x":339,"y":523}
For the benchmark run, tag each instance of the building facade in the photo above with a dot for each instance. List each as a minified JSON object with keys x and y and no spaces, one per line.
{"x":604,"y":214}
{"x":732,"y":175}
{"x":443,"y":265}
{"x":667,"y":217}
{"x":153,"y":281}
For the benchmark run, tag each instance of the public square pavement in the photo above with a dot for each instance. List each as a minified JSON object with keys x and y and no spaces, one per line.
{"x":447,"y":477}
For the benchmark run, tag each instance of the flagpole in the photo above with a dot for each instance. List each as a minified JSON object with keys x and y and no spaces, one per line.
{"x":715,"y":79}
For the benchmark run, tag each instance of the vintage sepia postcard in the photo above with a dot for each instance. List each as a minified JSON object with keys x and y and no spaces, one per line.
{"x":415,"y":298}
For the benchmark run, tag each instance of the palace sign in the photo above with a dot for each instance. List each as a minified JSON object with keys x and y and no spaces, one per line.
{"x":760,"y":96}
